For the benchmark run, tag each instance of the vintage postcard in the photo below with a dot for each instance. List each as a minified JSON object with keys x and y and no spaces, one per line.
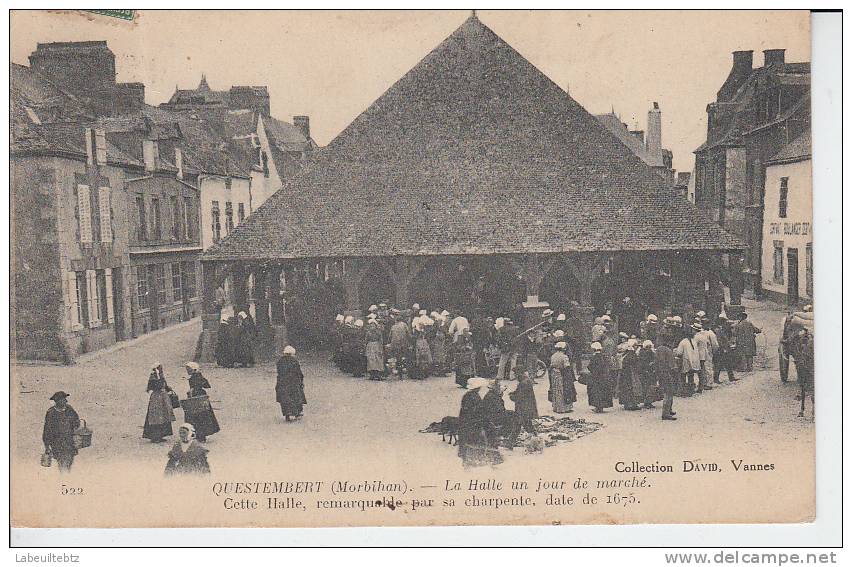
{"x":410,"y":268}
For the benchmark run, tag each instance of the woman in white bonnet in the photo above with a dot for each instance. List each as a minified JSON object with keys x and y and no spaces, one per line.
{"x":290,"y":385}
{"x":187,"y":455}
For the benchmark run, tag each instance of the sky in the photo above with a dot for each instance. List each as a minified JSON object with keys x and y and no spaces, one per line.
{"x":331,"y":65}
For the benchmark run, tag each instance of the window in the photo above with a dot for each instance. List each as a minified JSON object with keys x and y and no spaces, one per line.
{"x":160,"y":273}
{"x":177,"y":291}
{"x":189,"y":280}
{"x":241,"y":213}
{"x":143,"y":223}
{"x":106,"y":214}
{"x":188,"y":218}
{"x":778,"y":272}
{"x":176,"y":217}
{"x":142,"y":286}
{"x":77,"y":295}
{"x":782,"y":198}
{"x":809,"y":269}
{"x":84,"y":213}
{"x":101,"y":296}
{"x":217,"y":223}
{"x":94,"y":305}
{"x":229,"y":218}
{"x":156,"y":217}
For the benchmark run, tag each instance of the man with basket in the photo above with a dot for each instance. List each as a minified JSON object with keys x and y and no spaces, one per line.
{"x":60,"y":424}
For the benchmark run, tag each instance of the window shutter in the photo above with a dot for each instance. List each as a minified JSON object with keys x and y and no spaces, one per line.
{"x":92,"y":297}
{"x":84,"y":206}
{"x":71,"y":285}
{"x":109,"y":312}
{"x":106,"y":216}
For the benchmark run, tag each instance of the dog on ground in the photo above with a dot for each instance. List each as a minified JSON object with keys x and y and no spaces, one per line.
{"x":450,"y":430}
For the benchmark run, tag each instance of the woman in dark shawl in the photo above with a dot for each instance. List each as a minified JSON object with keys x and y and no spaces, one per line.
{"x":290,"y":385}
{"x":474,"y":428}
{"x":159,"y":418}
{"x":202,"y":418}
{"x":599,"y":387}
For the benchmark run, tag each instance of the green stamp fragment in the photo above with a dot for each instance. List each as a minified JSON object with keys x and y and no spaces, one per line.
{"x":121,"y":14}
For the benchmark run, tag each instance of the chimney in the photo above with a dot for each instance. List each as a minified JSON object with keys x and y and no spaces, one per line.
{"x":740,"y":72}
{"x":773,"y":57}
{"x":150,"y":155}
{"x":90,"y":146}
{"x":303,"y":123}
{"x":179,"y":162}
{"x":744,"y":60}
{"x":100,"y":147}
{"x":654,"y":142}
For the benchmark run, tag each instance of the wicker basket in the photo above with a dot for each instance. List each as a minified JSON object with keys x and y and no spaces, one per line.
{"x":82,"y":436}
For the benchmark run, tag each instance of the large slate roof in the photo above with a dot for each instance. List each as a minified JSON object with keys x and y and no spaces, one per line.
{"x":473,"y":151}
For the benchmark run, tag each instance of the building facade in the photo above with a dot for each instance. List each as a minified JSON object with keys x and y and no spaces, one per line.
{"x":756,"y":113}
{"x":69,"y":244}
{"x":273,"y":150}
{"x":165,"y":245}
{"x":787,"y":224}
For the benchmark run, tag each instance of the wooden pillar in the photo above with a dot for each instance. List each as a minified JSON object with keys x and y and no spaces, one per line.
{"x":586,"y":267}
{"x":276,"y":296}
{"x":355,"y":271}
{"x":532,"y":268}
{"x":261,"y":300}
{"x":211,"y":313}
{"x":240,"y":281}
{"x":403,"y":270}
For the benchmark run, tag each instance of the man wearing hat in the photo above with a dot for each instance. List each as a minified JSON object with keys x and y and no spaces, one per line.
{"x":666,"y":370}
{"x":60,"y":422}
{"x":744,"y":333}
{"x":649,"y":329}
{"x":724,"y":357}
{"x":690,"y":363}
{"x":507,"y":343}
{"x":707,"y":344}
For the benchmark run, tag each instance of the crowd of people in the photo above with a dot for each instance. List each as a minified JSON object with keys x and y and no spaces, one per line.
{"x":235,"y":341}
{"x":636,"y":360}
{"x":628,"y":355}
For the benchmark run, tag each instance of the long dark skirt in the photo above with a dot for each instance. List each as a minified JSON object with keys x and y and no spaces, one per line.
{"x":204,"y":421}
{"x":600,"y":392}
{"x":156,"y":432}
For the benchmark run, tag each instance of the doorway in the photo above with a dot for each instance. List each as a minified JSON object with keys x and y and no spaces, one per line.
{"x":153,"y":295}
{"x":117,"y":304}
{"x":792,"y":276}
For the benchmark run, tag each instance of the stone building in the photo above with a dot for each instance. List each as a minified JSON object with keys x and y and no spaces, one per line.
{"x":70,"y":290}
{"x":648,"y":148}
{"x":242,"y":116}
{"x":473,"y":182}
{"x":788,"y":261}
{"x":756,"y":113}
{"x":86,"y":70}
